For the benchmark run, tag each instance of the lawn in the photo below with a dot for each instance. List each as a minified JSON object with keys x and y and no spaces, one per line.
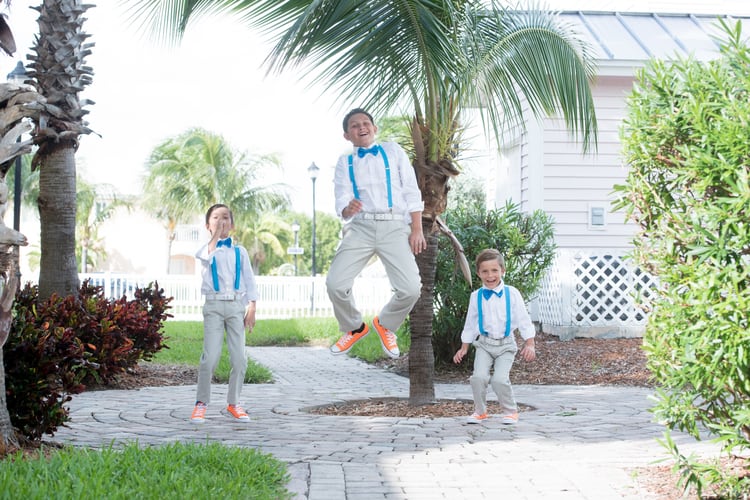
{"x":185,"y":341}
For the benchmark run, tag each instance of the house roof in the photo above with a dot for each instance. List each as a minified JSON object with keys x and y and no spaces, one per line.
{"x":637,"y":37}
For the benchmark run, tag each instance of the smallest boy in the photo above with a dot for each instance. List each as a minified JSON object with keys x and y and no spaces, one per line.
{"x":495,"y":311}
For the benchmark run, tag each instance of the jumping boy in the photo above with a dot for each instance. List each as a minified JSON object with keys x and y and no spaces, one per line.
{"x":377,"y":195}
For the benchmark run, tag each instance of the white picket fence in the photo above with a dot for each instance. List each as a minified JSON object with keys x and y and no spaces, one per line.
{"x":278,"y":296}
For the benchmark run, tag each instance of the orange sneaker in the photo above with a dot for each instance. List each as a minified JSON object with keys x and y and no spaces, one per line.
{"x":238,"y":413}
{"x":388,"y":339}
{"x":476,"y":418}
{"x":348,"y":340}
{"x":510,"y":419}
{"x":199,"y":413}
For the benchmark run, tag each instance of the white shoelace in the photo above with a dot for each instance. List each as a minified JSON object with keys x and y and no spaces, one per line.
{"x":391,"y":339}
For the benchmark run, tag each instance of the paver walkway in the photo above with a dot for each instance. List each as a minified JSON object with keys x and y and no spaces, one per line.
{"x":580,"y":442}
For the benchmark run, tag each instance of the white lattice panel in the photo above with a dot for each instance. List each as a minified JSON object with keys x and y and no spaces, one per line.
{"x":584,"y":289}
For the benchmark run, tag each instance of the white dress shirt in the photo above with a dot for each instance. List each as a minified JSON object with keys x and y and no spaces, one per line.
{"x":225,"y":269}
{"x":494,"y":316}
{"x":370,"y":176}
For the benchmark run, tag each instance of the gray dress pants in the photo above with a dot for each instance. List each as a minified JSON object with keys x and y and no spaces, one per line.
{"x":389,"y":240}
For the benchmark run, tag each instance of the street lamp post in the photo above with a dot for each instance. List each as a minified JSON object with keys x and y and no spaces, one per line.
{"x":295,"y":230}
{"x":313,"y":171}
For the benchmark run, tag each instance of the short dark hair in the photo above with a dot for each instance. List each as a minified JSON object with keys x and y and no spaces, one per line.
{"x":356,"y":111}
{"x":219,"y":205}
{"x":490,"y":254}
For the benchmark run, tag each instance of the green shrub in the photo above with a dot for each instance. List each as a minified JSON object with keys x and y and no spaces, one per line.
{"x":58,"y":346}
{"x":686,"y":140}
{"x":525,"y":240}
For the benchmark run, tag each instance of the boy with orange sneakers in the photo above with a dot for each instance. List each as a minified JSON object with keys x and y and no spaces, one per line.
{"x":495,"y":311}
{"x":377,"y":195}
{"x":229,"y":288}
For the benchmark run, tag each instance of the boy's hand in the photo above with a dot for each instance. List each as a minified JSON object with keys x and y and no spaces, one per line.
{"x":528,"y":351}
{"x":417,"y":241}
{"x":459,"y":356}
{"x":352,"y":209}
{"x":250,"y":317}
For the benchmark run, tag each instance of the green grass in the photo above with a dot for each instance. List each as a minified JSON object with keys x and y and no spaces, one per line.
{"x":174,"y":471}
{"x":185,"y":341}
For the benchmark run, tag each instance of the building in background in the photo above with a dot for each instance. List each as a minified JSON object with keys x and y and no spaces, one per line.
{"x":590,"y":287}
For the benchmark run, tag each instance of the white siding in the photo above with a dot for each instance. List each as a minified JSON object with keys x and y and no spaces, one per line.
{"x":573,"y":182}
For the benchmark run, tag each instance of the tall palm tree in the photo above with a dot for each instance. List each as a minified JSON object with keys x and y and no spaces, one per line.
{"x":168,"y":189}
{"x":190,"y":172}
{"x":262,"y":235}
{"x":59,"y":73}
{"x":438,"y":58}
{"x":95,"y":204}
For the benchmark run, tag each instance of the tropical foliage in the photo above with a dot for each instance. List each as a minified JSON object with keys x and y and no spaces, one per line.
{"x":61,"y":344}
{"x":95,"y":204}
{"x":433,"y":58}
{"x":192,"y":171}
{"x":686,"y":140}
{"x":527,"y":244}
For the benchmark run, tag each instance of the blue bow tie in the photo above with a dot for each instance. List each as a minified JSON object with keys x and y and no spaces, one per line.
{"x":227,"y":242}
{"x":363,"y":151}
{"x":487,"y":293}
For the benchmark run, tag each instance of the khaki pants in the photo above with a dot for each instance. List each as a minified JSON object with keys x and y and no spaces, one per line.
{"x":362,"y":239}
{"x":218,"y":316}
{"x":499,"y":355}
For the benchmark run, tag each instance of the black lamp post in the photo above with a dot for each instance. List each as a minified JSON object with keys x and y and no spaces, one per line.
{"x":295,"y":230}
{"x":18,"y":76}
{"x":313,"y":171}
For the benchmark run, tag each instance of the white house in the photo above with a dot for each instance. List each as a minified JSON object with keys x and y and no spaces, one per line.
{"x":588,"y":292}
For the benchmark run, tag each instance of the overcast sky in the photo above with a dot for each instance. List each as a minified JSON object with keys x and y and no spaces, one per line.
{"x":145,"y":93}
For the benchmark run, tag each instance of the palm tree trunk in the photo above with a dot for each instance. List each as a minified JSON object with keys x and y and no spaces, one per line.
{"x":57,"y":214}
{"x":421,"y":356}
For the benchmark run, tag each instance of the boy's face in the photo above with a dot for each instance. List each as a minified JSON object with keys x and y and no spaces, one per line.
{"x":360,"y":131}
{"x":220,"y":221}
{"x":490,"y":272}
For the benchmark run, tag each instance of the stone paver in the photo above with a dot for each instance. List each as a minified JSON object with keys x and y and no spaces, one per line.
{"x":579,"y":442}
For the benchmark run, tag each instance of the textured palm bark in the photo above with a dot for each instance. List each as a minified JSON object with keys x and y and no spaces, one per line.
{"x":58,"y":272}
{"x":421,"y":355}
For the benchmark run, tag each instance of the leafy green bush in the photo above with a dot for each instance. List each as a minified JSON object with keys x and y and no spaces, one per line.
{"x":686,"y":140}
{"x":58,"y":346}
{"x":525,"y":240}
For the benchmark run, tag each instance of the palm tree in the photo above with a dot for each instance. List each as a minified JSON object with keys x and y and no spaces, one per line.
{"x":59,"y":73}
{"x":95,"y":204}
{"x":438,"y":58}
{"x":262,"y":235}
{"x":168,"y":188}
{"x":196,"y":169}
